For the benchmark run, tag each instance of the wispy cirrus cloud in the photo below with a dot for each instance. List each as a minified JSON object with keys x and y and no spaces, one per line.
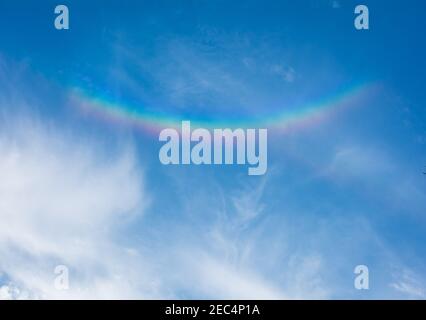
{"x":61,"y":203}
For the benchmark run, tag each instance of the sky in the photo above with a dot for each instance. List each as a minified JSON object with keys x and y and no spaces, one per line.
{"x":81,"y":182}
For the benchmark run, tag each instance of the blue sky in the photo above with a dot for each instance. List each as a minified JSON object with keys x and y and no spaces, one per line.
{"x":342,"y":190}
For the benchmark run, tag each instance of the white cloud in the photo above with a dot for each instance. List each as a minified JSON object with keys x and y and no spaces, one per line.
{"x":409,"y":285}
{"x":216,"y":277}
{"x":381,"y":174}
{"x":61,"y":202}
{"x":6,"y":293}
{"x":355,"y":161}
{"x":287,"y":73}
{"x":242,"y":250}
